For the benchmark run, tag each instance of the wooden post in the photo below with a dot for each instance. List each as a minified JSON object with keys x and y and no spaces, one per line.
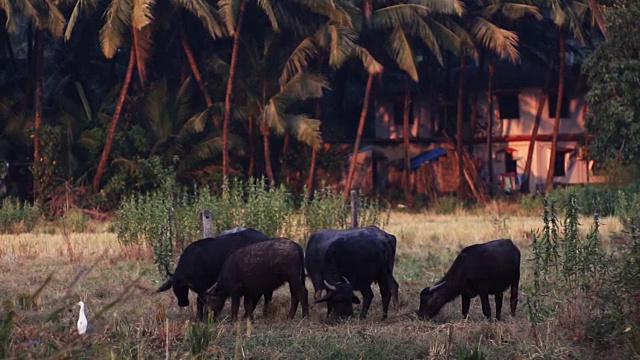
{"x":206,"y":223}
{"x":354,"y":209}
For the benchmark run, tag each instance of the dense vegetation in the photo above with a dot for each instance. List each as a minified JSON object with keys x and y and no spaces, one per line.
{"x":93,"y":90}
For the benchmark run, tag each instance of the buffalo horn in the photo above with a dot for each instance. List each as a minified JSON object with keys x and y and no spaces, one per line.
{"x":329,"y":286}
{"x":346,"y":280}
{"x":434,"y":287}
{"x":212,"y":288}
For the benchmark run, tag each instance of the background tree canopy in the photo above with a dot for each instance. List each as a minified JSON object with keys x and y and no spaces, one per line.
{"x":613,"y":72}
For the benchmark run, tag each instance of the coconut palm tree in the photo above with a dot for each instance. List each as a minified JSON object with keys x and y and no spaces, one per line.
{"x":397,"y":24}
{"x":47,"y":18}
{"x":281,"y":14}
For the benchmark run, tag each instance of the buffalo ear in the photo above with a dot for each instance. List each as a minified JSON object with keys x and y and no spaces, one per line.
{"x":166,"y":286}
{"x":355,"y":300}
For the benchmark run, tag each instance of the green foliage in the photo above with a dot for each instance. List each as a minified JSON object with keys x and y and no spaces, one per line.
{"x":594,"y":198}
{"x":74,"y":220}
{"x":613,"y":72}
{"x":17,"y":216}
{"x":447,"y":205}
{"x":570,"y":270}
{"x":325,"y":210}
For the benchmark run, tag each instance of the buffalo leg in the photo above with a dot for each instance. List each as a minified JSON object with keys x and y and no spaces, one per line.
{"x":514,"y":296}
{"x":498,"y":305}
{"x":250,"y":303}
{"x":235,"y":306}
{"x":201,"y":307}
{"x":386,"y":295}
{"x":367,"y":296}
{"x":466,"y":304}
{"x":267,"y":301}
{"x":394,"y":291}
{"x":304,"y":301}
{"x":294,"y":289}
{"x":486,"y":307}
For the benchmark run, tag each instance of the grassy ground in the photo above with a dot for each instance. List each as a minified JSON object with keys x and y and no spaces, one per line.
{"x":128,"y":320}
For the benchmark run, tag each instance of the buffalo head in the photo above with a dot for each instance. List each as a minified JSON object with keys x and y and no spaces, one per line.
{"x":430,"y":302}
{"x":340,"y":299}
{"x":216,"y":297}
{"x":181,"y":291}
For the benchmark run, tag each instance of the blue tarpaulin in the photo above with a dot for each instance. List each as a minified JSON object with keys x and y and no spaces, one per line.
{"x":426,"y":157}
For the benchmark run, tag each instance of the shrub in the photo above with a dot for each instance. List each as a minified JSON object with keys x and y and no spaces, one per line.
{"x":18,"y":217}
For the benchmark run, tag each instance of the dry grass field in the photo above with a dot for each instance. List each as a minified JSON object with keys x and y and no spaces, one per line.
{"x":42,"y":277}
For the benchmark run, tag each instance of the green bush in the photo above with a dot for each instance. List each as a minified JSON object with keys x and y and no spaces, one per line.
{"x":18,"y":217}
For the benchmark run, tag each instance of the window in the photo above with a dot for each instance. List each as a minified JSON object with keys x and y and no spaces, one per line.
{"x":510,"y":164}
{"x":509,"y":106}
{"x":398,"y":110}
{"x":558,"y":166}
{"x":564,"y":107}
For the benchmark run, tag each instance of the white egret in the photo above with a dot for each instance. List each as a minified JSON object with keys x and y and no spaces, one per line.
{"x":82,"y":319}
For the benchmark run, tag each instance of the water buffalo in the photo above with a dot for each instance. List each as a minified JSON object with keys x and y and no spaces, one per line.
{"x":351,"y":264}
{"x":481,"y":269}
{"x":320,"y":241}
{"x":201,"y":262}
{"x":260,"y":268}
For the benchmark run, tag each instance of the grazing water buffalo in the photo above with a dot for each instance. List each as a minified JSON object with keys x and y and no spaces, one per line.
{"x":260,"y":268}
{"x":351,"y":264}
{"x":481,"y":269}
{"x":320,"y":241}
{"x":201,"y":262}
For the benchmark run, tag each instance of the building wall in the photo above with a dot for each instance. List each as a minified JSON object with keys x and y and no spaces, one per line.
{"x":385,"y":114}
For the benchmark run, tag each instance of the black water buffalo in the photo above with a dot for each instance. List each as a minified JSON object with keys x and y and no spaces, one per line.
{"x":320,"y":241}
{"x":201,"y":262}
{"x":260,"y":268}
{"x":481,"y":269}
{"x":351,"y":264}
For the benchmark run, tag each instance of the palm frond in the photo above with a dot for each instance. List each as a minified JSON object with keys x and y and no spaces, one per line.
{"x":81,"y":8}
{"x":117,"y":22}
{"x":301,"y":87}
{"x":272,"y":118}
{"x":55,"y":21}
{"x":299,"y":59}
{"x":265,"y":5}
{"x":399,"y":48}
{"x":155,"y":108}
{"x":370,"y":64}
{"x":228,"y":10}
{"x":143,"y":43}
{"x":515,"y":11}
{"x":11,"y":25}
{"x":182,"y":104}
{"x":207,"y":15}
{"x":142,"y":13}
{"x":431,"y":37}
{"x":304,"y":129}
{"x":395,"y":16}
{"x":342,"y":44}
{"x":209,"y":149}
{"x":449,"y":7}
{"x":503,"y":42}
{"x":84,"y":100}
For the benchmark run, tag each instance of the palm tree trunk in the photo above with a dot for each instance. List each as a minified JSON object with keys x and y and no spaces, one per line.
{"x":114,"y":120}
{"x":490,"y":127}
{"x":460,"y":114}
{"x":363,"y":116}
{"x":536,"y":126}
{"x":252,"y":149}
{"x":556,"y":124}
{"x":196,"y":72}
{"x":227,"y":99}
{"x":405,"y":138}
{"x":38,"y":64}
{"x":267,"y":154}
{"x":314,"y":153}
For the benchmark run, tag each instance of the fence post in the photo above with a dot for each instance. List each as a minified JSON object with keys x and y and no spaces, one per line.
{"x":354,"y":209}
{"x":206,"y":223}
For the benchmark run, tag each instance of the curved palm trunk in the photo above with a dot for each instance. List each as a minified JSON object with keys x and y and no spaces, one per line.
{"x":267,"y":154}
{"x":363,"y":116}
{"x":314,"y":153}
{"x":490,"y":126}
{"x":252,"y":149}
{"x":556,"y":124}
{"x":38,"y":64}
{"x":114,"y":120}
{"x":536,"y":126}
{"x":405,"y":137}
{"x":227,"y":99}
{"x":196,"y":72}
{"x":460,"y":109}
{"x":597,"y":14}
